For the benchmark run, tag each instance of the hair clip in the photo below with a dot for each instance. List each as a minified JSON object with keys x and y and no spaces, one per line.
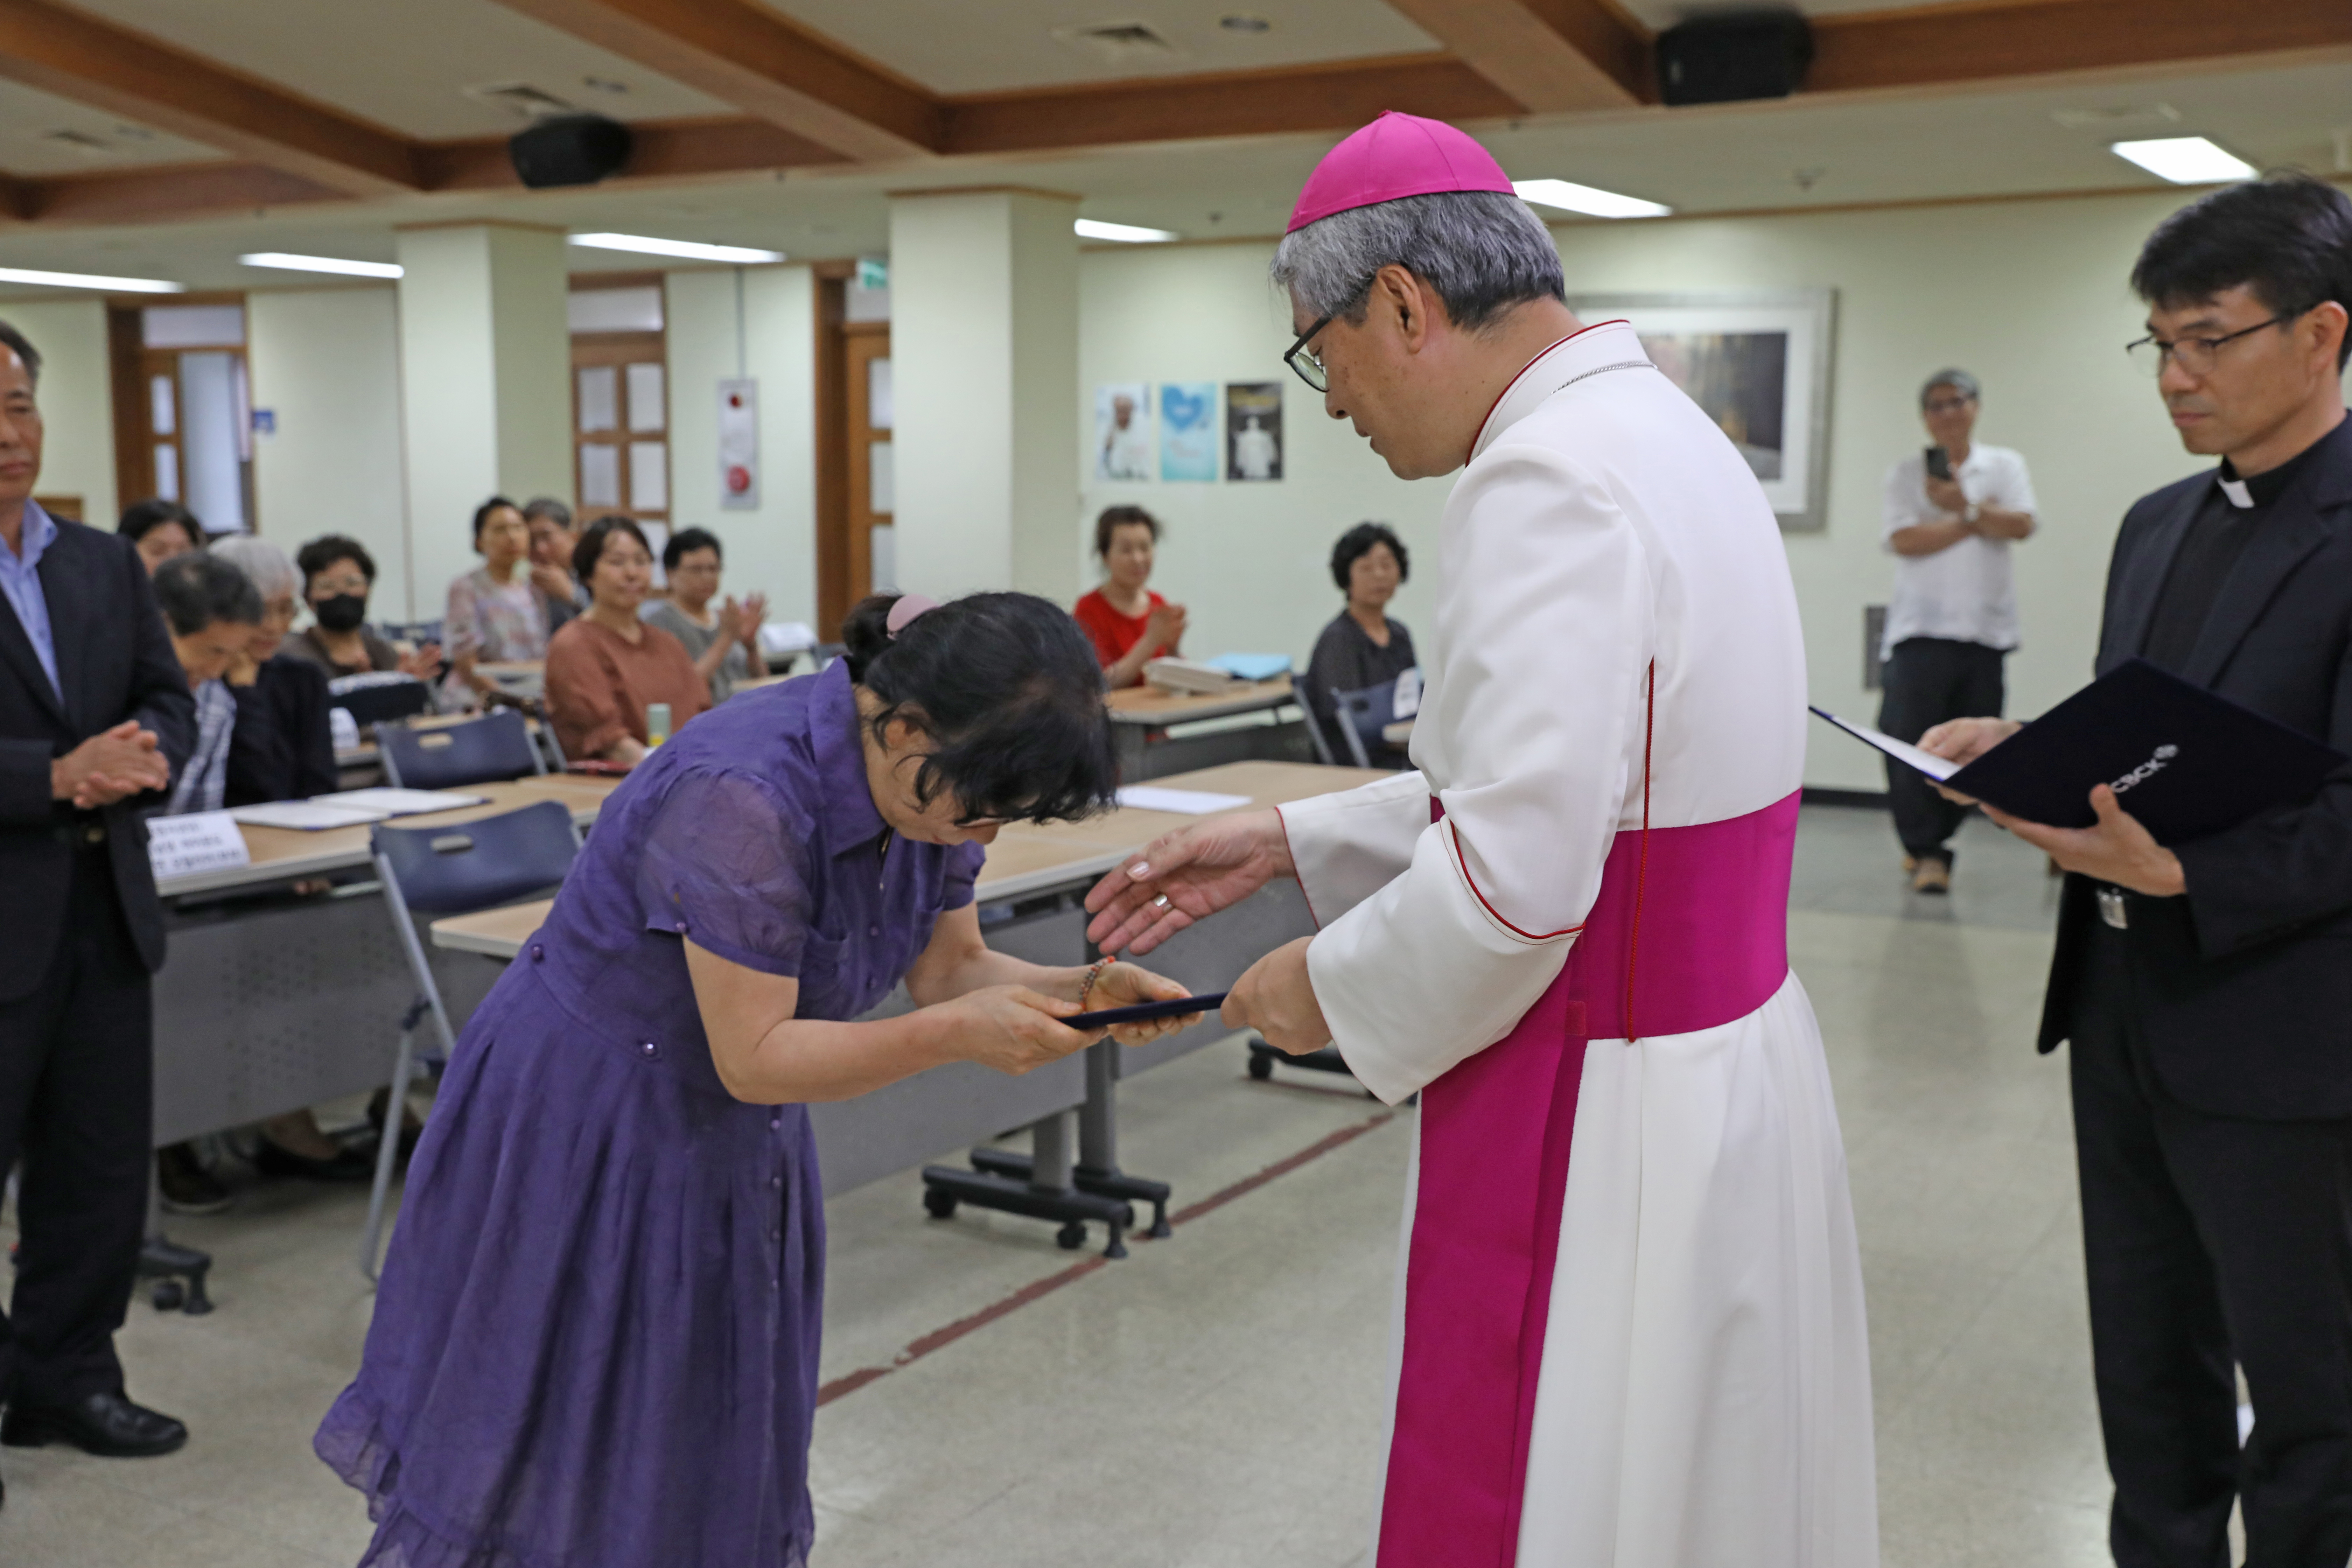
{"x":907,"y":608}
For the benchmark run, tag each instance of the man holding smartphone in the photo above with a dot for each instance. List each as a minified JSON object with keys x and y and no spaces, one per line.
{"x":1952,"y":513}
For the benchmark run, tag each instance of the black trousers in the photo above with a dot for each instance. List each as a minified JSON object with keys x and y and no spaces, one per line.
{"x":1929,"y":680}
{"x":77,"y":1082}
{"x":2209,"y":1239}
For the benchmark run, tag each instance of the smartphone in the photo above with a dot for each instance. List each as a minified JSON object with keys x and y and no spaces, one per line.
{"x":1939,"y":463}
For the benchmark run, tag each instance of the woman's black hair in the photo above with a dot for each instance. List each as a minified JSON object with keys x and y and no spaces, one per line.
{"x":143,"y":518}
{"x":482,"y":515}
{"x":686,"y":540}
{"x":1115,"y":517}
{"x":199,"y":588}
{"x":591,"y":548}
{"x":1007,"y":689}
{"x":2287,"y":236}
{"x":1357,"y":544}
{"x":325,"y":551}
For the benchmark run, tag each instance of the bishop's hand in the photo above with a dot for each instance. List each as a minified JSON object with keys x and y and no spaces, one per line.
{"x":1186,"y":876}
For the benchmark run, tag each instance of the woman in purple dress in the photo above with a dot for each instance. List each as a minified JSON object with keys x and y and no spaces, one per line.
{"x":595,"y":1343}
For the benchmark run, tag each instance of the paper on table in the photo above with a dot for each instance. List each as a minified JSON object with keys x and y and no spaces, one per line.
{"x":1934,"y":767}
{"x":305,"y":816}
{"x":200,"y":841}
{"x":400,"y":802}
{"x":1189,"y":802}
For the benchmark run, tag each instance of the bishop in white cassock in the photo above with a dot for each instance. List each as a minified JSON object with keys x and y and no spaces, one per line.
{"x":1630,"y":1331}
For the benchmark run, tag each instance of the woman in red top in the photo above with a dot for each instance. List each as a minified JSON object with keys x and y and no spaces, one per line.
{"x":1129,"y":624}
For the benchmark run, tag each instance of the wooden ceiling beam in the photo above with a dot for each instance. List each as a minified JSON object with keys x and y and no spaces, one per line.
{"x":1553,"y":55}
{"x":663,"y":150}
{"x":77,"y":57}
{"x":1318,"y":97}
{"x":745,"y":54}
{"x":168,"y":194}
{"x":1977,"y":42}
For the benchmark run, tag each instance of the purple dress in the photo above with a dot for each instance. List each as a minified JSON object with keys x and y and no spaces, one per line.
{"x":595,"y":1343}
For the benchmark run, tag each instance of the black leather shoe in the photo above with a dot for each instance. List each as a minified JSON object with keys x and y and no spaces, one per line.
{"x":106,"y":1425}
{"x":347,"y":1165}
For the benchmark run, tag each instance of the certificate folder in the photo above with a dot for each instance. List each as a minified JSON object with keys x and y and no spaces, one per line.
{"x":2182,"y":760}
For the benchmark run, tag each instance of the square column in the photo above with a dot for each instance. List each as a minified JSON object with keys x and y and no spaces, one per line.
{"x":485,"y":385}
{"x":984,"y":379}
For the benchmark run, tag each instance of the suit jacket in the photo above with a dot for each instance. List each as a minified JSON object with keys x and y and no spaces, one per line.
{"x":114,"y":662}
{"x":2242,"y":988}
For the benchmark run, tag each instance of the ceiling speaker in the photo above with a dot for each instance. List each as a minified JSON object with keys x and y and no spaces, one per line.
{"x":1736,"y":56}
{"x":569,"y":150}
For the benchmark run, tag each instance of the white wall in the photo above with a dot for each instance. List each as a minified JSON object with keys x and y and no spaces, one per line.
{"x":326,"y":364}
{"x":77,"y":401}
{"x":2029,"y":295}
{"x":770,"y":549}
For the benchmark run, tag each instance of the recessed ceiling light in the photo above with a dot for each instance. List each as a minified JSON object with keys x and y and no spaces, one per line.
{"x":2185,"y":159}
{"x":1241,"y":22}
{"x":690,"y":249}
{"x":2116,"y":116}
{"x":1125,"y":233}
{"x":336,"y":264}
{"x":1569,"y":196}
{"x":90,"y":280}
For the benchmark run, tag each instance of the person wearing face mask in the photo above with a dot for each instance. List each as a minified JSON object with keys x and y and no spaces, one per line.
{"x":606,"y":667}
{"x":338,"y":575}
{"x":597,"y":1329}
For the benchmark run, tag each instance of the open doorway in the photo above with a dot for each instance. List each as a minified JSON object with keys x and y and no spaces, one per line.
{"x":856,"y":488}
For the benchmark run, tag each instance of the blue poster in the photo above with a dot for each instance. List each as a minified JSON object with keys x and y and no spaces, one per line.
{"x":1188,"y":430}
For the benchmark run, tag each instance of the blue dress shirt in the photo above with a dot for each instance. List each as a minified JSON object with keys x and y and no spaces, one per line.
{"x":20,"y":581}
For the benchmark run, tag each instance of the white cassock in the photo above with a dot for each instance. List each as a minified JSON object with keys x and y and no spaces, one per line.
{"x":1630,"y":1320}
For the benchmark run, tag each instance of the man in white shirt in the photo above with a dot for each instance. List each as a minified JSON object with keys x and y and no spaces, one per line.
{"x":1952,"y":513}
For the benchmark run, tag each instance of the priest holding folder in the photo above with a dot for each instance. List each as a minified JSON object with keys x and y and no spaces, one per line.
{"x":1631,"y":1330}
{"x":2206,"y":986}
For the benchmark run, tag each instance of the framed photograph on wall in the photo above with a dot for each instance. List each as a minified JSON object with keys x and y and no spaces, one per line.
{"x":1759,"y":362}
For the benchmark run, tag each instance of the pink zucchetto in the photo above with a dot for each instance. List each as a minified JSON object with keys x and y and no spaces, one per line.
{"x":1395,"y":156}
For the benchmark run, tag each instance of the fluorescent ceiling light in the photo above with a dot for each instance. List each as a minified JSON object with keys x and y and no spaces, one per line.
{"x":1569,"y":196}
{"x":2185,"y":159}
{"x":1125,"y":233}
{"x":92,"y":281}
{"x":688,"y":248}
{"x":322,"y":264}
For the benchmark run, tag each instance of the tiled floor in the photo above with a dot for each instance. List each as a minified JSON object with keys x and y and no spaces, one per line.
{"x":1213,"y":1400}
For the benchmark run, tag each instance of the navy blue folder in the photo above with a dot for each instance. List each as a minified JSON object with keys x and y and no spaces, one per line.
{"x":2182,"y":760}
{"x":1143,"y":1010}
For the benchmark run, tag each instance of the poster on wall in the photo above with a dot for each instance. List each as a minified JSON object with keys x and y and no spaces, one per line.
{"x":1123,"y":430}
{"x":1758,"y":362}
{"x":1188,"y":430}
{"x":1252,"y":430}
{"x":738,"y":445}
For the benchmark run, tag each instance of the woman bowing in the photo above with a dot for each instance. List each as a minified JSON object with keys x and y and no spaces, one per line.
{"x":595,"y":1342}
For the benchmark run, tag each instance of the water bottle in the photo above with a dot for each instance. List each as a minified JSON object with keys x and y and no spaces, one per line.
{"x":656,"y":724}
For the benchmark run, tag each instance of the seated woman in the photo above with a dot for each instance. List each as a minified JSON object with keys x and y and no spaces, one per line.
{"x":606,"y":666}
{"x":1362,"y":647}
{"x":722,"y":640}
{"x":338,"y":575}
{"x":283,"y":748}
{"x":160,"y":530}
{"x":1130,"y":624}
{"x":494,"y":615}
{"x":597,"y":1328}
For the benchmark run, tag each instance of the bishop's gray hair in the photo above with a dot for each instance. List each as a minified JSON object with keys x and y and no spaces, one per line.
{"x":1481,"y":252}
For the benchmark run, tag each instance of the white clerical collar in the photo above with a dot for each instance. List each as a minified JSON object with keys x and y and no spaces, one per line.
{"x":1609,"y":345}
{"x":2239,"y":496}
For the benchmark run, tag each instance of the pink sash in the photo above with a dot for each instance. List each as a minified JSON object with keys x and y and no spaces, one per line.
{"x":1689,"y":931}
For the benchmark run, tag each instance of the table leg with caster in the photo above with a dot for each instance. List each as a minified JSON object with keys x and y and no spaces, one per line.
{"x":1041,"y":1185}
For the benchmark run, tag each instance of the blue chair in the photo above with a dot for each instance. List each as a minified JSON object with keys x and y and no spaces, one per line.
{"x":435,"y":872}
{"x":1361,"y":717}
{"x":488,"y":750}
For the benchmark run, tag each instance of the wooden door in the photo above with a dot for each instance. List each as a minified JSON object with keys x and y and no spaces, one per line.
{"x":866,"y":424}
{"x":620,"y":428}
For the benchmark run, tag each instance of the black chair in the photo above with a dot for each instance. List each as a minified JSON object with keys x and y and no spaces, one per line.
{"x":433,"y":872}
{"x":1361,"y":717}
{"x":488,"y":750}
{"x":379,"y":699}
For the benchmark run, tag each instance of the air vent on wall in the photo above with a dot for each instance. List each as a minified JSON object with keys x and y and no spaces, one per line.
{"x":520,"y":98}
{"x":1120,"y":43}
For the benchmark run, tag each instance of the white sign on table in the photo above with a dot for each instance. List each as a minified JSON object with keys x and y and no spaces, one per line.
{"x":200,"y":841}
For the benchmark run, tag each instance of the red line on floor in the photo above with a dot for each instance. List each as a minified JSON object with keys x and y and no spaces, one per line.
{"x":940,"y":1339}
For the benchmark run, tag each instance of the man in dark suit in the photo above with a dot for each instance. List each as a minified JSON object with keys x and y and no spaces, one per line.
{"x":2207,"y":987}
{"x":95,"y":714}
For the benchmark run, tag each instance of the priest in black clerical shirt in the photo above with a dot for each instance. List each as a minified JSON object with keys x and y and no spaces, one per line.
{"x":2206,"y":987}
